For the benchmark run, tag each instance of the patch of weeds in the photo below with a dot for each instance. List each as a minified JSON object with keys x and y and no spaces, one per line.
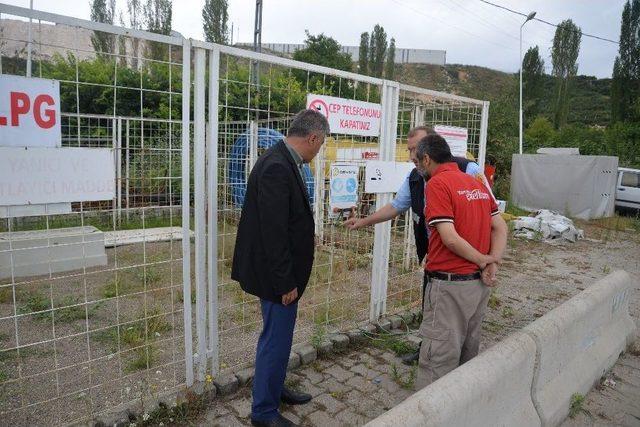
{"x":319,"y":335}
{"x":3,"y":376}
{"x":6,"y":295}
{"x":606,"y":269}
{"x":386,"y":341}
{"x":75,"y":312}
{"x":316,"y":366}
{"x":494,"y":300}
{"x":407,"y":381}
{"x":492,"y":327}
{"x":133,"y":335}
{"x":144,"y":358}
{"x":37,"y":303}
{"x":184,"y":413}
{"x":121,"y":286}
{"x":576,"y":406}
{"x":507,"y":312}
{"x":149,"y":276}
{"x":515,"y":210}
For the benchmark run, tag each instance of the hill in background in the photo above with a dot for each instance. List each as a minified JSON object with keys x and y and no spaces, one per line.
{"x":589,"y":100}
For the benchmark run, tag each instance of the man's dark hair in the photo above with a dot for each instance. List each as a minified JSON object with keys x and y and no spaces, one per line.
{"x":307,"y":122}
{"x":436,"y":147}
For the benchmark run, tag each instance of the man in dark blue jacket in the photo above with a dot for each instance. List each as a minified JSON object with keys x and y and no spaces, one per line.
{"x":274,"y":254}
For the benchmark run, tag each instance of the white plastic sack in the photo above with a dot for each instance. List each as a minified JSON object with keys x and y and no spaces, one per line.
{"x":546,"y":225}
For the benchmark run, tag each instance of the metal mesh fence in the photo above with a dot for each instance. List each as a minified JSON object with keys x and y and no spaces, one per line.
{"x":92,"y":310}
{"x":255,"y":113}
{"x":91,"y":295}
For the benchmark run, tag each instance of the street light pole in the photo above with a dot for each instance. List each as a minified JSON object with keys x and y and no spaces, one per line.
{"x":529,"y":18}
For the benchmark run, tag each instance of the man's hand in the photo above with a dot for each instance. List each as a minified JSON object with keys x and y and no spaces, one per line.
{"x":353,"y":223}
{"x":489,"y":275}
{"x":485,"y":260}
{"x":290,"y":297}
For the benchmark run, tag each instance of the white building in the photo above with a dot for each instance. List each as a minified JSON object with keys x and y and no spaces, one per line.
{"x":403,"y":55}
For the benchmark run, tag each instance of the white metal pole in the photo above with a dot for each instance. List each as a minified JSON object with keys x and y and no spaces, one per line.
{"x":186,"y":212}
{"x":199,"y":209}
{"x":29,"y":43}
{"x":212,"y":194}
{"x":529,"y":18}
{"x":520,"y":132}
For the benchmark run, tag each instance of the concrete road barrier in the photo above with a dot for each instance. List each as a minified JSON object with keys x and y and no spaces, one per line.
{"x":494,"y":389}
{"x":578,"y":342}
{"x":528,"y":379}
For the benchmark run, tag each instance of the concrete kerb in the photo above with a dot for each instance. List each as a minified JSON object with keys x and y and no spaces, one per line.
{"x":577,"y":342}
{"x":492,"y":389}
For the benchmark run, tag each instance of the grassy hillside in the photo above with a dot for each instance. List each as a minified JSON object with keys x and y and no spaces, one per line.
{"x":589,"y":99}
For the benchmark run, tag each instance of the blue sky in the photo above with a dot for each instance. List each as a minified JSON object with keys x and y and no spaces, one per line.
{"x":470,"y":31}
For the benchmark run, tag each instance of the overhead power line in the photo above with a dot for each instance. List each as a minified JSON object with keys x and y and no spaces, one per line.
{"x":546,"y":22}
{"x":449,"y":24}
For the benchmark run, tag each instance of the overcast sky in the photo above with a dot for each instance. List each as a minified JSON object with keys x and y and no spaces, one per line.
{"x":470,"y":31}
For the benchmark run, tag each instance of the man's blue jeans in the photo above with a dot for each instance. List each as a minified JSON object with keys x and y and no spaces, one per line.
{"x":272,"y":358}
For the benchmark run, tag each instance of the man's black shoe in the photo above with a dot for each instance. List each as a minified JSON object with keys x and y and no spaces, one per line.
{"x":279,"y":421}
{"x":411,"y":358}
{"x":291,"y":397}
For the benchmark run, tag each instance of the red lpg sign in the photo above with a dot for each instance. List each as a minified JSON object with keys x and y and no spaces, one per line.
{"x":346,"y":116}
{"x":29,"y":112}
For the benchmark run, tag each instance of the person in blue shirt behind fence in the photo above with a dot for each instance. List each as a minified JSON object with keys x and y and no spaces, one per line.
{"x":411,"y":195}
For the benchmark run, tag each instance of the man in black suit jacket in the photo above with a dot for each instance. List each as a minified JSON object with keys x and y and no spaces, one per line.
{"x":274,"y":255}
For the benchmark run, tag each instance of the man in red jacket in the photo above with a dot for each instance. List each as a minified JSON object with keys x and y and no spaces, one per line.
{"x":466,"y":242}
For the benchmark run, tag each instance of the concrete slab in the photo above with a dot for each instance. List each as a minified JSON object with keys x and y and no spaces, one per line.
{"x":157,"y":234}
{"x":39,"y":252}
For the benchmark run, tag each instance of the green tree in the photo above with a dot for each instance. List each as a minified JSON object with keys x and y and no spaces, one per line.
{"x":134,"y":8}
{"x":564,"y":54}
{"x":157,"y":16}
{"x":363,"y":54}
{"x":532,"y":82}
{"x":122,"y":44}
{"x":215,"y":15}
{"x":326,"y":51}
{"x":625,"y":87}
{"x":323,"y":50}
{"x":377,"y":51}
{"x":390,"y":67}
{"x":101,"y":11}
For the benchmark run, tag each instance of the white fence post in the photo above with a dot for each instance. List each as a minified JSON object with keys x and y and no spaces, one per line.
{"x":253,"y":146}
{"x":212,"y":192}
{"x":318,"y":198}
{"x":200,"y":208}
{"x":484,"y":126}
{"x":127,"y":168}
{"x":186,"y":211}
{"x":382,"y":236}
{"x":119,"y":169}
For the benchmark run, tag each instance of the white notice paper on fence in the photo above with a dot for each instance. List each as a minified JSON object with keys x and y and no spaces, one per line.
{"x":56,"y":175}
{"x":29,"y":112}
{"x":385,"y":177}
{"x":456,"y":138}
{"x":343,"y":188}
{"x":347,"y":116}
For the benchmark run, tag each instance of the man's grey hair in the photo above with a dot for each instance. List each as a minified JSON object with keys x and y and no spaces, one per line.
{"x":414,"y":131}
{"x":307,"y":122}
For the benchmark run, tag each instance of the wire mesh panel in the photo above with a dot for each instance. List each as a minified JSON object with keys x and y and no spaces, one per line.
{"x":258,"y":96}
{"x":91,"y":306}
{"x":420,"y":107}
